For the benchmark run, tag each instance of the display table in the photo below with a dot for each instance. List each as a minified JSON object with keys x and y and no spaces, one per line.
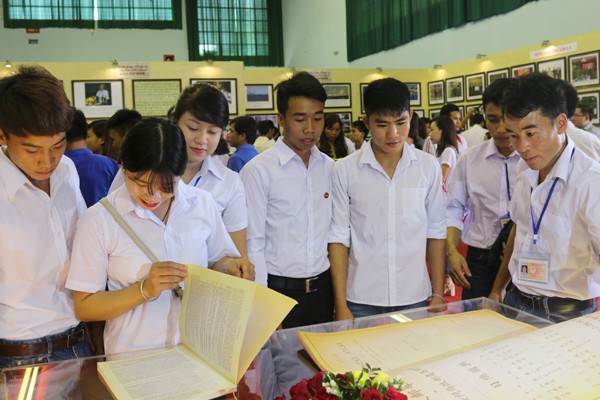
{"x":279,"y":365}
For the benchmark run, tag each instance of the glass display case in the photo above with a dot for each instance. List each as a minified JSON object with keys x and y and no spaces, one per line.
{"x":280,"y":364}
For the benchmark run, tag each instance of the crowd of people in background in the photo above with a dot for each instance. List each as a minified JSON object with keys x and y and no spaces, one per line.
{"x":349,"y":218}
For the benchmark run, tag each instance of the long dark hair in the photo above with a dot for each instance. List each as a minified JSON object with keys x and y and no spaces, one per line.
{"x":446,"y":125}
{"x":339,"y":144}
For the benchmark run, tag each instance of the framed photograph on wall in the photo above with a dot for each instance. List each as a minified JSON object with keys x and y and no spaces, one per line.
{"x":415,"y":93}
{"x":420,"y":113}
{"x":259,"y":97}
{"x":475,"y":86}
{"x":363,"y":86}
{"x":434,"y":113}
{"x":98,"y":99}
{"x":520,"y":70}
{"x":154,"y":97}
{"x":263,"y":117}
{"x":435,"y":92}
{"x":455,"y":90}
{"x":338,"y":95}
{"x":554,"y":68}
{"x":592,"y":100}
{"x":583,"y":69}
{"x":346,"y":118}
{"x":497,"y":74}
{"x":227,"y":86}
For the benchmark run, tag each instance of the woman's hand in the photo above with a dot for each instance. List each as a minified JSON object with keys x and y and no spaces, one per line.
{"x":163,"y":275}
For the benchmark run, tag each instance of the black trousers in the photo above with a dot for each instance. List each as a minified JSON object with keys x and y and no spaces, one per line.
{"x":484,"y":265}
{"x":313,"y":308}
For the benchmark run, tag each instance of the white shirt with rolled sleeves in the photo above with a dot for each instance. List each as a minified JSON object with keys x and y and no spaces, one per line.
{"x":36,"y":235}
{"x":289,"y":212}
{"x":225,"y":187}
{"x":385,"y":223}
{"x":477,"y":188}
{"x":103,"y":253}
{"x":569,"y":231}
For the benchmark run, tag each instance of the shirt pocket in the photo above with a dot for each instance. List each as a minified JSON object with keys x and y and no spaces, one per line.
{"x":411,"y":203}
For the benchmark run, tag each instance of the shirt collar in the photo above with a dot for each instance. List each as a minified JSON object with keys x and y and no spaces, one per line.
{"x":124,"y":203}
{"x":492,"y":150}
{"x":210,"y":166}
{"x":367,"y":157}
{"x":14,"y":178}
{"x":285,"y":153}
{"x":560,"y":170}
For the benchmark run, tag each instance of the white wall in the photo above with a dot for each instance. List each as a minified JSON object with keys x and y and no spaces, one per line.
{"x":81,"y":45}
{"x":314,"y":45}
{"x":314,"y":31}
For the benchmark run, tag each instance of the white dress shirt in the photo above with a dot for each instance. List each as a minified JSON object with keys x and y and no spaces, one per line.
{"x":223,"y":184}
{"x":584,"y":140}
{"x":431,"y":148}
{"x":263,"y":143}
{"x":350,"y":145}
{"x":103,"y":253}
{"x":448,"y":157}
{"x":474,"y":135}
{"x":385,"y":223}
{"x":478,"y":189}
{"x":36,"y":235}
{"x":289,"y":212}
{"x":227,"y":190}
{"x":569,"y":230}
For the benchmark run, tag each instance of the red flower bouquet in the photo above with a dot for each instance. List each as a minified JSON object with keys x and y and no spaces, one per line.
{"x":364,"y":384}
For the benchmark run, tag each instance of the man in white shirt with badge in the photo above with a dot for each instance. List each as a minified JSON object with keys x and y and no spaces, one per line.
{"x":40,"y":202}
{"x":289,"y":205}
{"x":480,"y":187}
{"x":388,"y":215}
{"x":554,"y":207}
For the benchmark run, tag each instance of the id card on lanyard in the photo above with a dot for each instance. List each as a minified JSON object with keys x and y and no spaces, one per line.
{"x":534,"y":266}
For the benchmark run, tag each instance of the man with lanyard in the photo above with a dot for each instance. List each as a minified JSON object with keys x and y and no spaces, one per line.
{"x":554,"y":207}
{"x":480,"y":187}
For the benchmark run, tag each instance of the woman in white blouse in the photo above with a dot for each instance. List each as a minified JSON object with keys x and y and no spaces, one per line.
{"x":443,"y":134}
{"x":179,"y":223}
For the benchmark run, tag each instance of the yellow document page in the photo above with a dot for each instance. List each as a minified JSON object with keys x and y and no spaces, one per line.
{"x":175,"y":374}
{"x":224,"y":321}
{"x":395,"y":346}
{"x":560,"y":361}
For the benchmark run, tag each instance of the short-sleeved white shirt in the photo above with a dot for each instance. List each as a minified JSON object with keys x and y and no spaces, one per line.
{"x":289,"y":212}
{"x":386,"y":223}
{"x":104,"y":254}
{"x":225,"y":187}
{"x":569,"y":231}
{"x":448,"y":157}
{"x":36,"y":235}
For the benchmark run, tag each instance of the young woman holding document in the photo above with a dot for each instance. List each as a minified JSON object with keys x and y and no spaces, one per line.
{"x":176,"y":222}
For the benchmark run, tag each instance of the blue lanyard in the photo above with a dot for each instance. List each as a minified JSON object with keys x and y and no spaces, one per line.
{"x":507,"y":181}
{"x":536,"y":227}
{"x":197,"y":180}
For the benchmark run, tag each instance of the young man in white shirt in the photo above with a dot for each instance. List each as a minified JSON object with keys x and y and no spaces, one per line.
{"x":388,"y":215}
{"x":40,"y":202}
{"x":481,"y":187}
{"x":289,"y":205}
{"x":554,"y":207}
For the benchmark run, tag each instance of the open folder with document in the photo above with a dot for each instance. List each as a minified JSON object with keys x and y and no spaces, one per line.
{"x":224,"y":322}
